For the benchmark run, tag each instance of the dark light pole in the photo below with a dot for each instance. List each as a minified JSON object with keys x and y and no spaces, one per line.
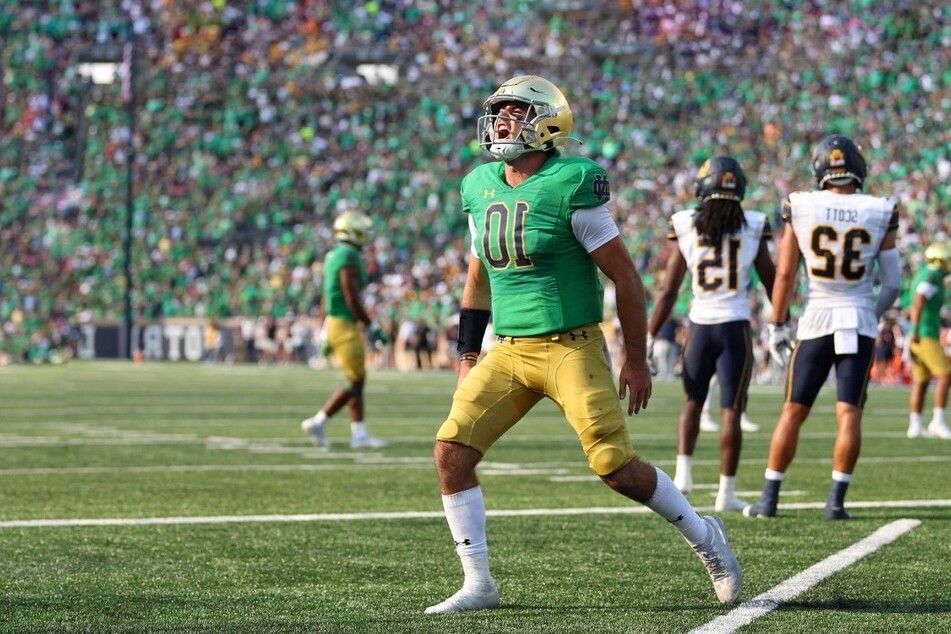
{"x":98,"y":63}
{"x":128,"y":95}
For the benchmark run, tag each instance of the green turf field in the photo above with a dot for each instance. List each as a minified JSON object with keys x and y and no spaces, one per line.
{"x":185,"y":498}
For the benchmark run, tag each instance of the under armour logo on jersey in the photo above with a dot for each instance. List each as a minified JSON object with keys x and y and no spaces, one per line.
{"x":576,"y":335}
{"x":465,"y":542}
{"x":488,"y":193}
{"x":601,"y":187}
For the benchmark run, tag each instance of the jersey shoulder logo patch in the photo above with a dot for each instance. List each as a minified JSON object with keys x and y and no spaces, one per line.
{"x":601,"y":187}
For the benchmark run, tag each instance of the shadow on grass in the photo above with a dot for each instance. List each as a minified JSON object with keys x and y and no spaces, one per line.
{"x":872,"y":607}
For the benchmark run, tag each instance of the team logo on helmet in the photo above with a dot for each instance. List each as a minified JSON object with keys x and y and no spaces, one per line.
{"x":836,"y":158}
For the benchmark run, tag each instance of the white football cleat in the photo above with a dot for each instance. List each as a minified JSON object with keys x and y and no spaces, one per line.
{"x":939,"y":430}
{"x":708,"y":424}
{"x":747,"y":425}
{"x":316,"y":432}
{"x":483,"y":597}
{"x":366,"y":441}
{"x":729,"y":504}
{"x":720,"y":562}
{"x":918,"y":432}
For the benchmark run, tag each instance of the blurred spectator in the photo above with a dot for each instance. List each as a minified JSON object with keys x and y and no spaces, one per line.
{"x":667,"y":349}
{"x":423,"y":344}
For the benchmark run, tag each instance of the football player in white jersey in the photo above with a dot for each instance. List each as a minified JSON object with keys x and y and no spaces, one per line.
{"x":839,"y":234}
{"x":719,"y":243}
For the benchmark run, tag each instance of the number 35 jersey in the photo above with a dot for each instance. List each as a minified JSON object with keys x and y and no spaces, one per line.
{"x":720,"y":273}
{"x":542,"y":279}
{"x":839,"y":236}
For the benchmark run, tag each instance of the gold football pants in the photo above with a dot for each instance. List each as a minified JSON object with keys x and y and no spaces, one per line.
{"x":570,"y":368}
{"x":346,"y":341}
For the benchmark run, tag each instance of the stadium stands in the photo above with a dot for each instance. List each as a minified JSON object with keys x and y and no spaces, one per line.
{"x":254,"y":120}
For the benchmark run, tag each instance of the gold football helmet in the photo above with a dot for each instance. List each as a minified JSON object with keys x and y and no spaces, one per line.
{"x":938,"y":255}
{"x":353,"y":227}
{"x":547,"y":122}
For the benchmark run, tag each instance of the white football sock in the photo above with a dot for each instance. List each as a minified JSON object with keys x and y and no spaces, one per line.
{"x":684,"y":467}
{"x":668,"y":502}
{"x":938,"y":416}
{"x":727,"y":487}
{"x":465,"y":513}
{"x":838,"y":476}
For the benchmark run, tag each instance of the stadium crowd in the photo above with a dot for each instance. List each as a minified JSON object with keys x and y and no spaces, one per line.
{"x":257,"y":121}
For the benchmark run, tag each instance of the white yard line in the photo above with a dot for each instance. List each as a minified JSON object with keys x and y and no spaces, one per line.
{"x":758,"y":606}
{"x":338,"y":517}
{"x":557,"y":472}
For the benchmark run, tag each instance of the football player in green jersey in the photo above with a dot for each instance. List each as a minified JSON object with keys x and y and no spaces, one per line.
{"x":924,"y":343}
{"x":344,"y":314}
{"x":541,"y":234}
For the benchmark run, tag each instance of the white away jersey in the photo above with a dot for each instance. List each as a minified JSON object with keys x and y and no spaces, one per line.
{"x":839,"y":236}
{"x":720,"y":272}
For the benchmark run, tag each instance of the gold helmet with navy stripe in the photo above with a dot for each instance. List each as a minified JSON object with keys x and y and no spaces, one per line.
{"x":547,"y":122}
{"x":836,"y":160}
{"x":353,"y":226}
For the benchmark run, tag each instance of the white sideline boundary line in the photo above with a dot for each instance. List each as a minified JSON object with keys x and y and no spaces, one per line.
{"x":343,"y":461}
{"x":401,"y":515}
{"x":758,"y":606}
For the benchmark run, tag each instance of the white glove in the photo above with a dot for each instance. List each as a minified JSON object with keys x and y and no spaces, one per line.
{"x":650,"y":356}
{"x":780,"y":343}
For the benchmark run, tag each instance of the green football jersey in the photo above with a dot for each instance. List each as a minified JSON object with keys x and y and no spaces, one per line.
{"x":542,"y":278}
{"x":929,"y":322}
{"x":340,"y":257}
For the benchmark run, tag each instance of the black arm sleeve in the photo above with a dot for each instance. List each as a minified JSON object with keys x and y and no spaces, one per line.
{"x":472,"y":325}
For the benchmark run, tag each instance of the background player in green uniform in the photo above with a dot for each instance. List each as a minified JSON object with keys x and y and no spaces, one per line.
{"x":929,"y":360}
{"x":344,"y":315}
{"x":540,"y":234}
